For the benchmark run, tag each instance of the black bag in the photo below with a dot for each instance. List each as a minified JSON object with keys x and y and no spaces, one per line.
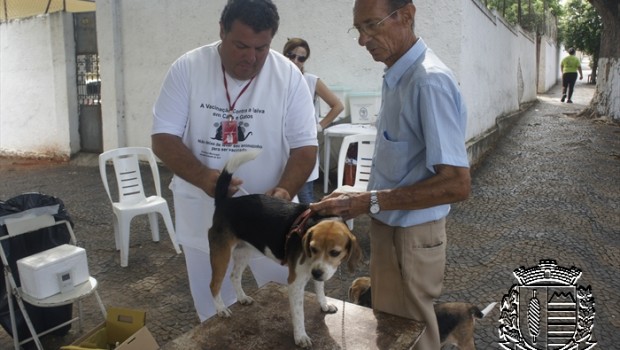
{"x":28,"y":244}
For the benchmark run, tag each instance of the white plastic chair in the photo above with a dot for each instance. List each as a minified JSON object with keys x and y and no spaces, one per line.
{"x":365,"y":152}
{"x":25,"y":224}
{"x":132,"y":199}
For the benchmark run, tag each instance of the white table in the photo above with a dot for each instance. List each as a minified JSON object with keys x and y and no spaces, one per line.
{"x":340,"y":130}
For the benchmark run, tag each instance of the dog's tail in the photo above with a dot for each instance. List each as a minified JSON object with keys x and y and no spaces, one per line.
{"x":480,"y":314}
{"x":221,"y":187}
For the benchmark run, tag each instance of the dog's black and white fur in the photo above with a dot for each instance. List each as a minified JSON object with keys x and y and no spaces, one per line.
{"x":244,"y":224}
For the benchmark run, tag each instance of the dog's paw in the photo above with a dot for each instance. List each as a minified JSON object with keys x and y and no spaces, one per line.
{"x":225,"y":312}
{"x":246,"y":300}
{"x":303,"y":341}
{"x":329,"y":308}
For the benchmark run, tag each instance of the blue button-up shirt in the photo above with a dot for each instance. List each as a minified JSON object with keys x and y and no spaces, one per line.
{"x":422,"y":123}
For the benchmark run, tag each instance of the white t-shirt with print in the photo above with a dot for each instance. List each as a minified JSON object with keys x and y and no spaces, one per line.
{"x":274,"y":115}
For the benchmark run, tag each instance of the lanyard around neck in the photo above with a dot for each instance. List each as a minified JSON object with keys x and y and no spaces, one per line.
{"x":231,"y":106}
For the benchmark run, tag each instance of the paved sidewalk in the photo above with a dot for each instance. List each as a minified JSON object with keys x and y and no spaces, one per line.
{"x":550,"y":190}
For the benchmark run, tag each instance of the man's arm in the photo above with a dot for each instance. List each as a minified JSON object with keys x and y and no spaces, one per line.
{"x":296,"y":172}
{"x":450,"y":184}
{"x":178,"y":158}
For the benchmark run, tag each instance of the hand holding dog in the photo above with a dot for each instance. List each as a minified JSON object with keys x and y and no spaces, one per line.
{"x":211,"y":179}
{"x":279,"y":192}
{"x":347,"y":205}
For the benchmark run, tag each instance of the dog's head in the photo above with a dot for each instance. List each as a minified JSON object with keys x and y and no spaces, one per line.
{"x":327,"y":244}
{"x":359,"y":292}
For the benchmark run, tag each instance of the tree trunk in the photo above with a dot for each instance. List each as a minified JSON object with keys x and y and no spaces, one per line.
{"x":594,"y":67}
{"x":606,"y":100}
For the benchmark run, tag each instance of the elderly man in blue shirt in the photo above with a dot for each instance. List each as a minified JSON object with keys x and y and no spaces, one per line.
{"x":420,"y":166}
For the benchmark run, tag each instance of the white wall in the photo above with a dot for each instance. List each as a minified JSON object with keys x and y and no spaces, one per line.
{"x":38,"y":103}
{"x":445,"y":38}
{"x":496,"y":73}
{"x":498,"y":68}
{"x":152,"y":37}
{"x":494,"y":63}
{"x":549,"y":65}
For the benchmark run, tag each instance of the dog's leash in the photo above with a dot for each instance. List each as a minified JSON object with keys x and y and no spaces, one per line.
{"x":344,"y":338}
{"x":296,"y":228}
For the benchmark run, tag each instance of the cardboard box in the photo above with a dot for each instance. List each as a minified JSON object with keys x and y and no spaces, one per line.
{"x":53,"y":271}
{"x":364,"y":107}
{"x":125,"y":327}
{"x":141,"y":340}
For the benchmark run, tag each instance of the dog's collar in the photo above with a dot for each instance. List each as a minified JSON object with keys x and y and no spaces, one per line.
{"x":297,"y":228}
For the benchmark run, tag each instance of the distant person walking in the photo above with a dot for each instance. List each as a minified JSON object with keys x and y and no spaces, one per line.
{"x":570,"y":66}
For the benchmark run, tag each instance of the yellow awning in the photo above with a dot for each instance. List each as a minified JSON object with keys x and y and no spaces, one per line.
{"x":15,"y":9}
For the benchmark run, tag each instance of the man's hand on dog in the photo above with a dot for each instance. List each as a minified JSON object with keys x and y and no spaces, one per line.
{"x":235,"y":186}
{"x":279,"y":192}
{"x":211,"y":180}
{"x":346,"y":205}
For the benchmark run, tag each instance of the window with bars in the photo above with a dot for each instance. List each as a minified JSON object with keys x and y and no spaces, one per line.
{"x":88,"y":80}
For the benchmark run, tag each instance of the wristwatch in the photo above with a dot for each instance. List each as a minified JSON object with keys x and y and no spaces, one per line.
{"x":374,"y":203}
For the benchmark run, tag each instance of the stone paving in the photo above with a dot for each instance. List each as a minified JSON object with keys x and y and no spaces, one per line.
{"x":549,"y":190}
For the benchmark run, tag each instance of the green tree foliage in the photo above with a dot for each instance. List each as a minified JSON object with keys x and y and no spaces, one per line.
{"x":581,"y":28}
{"x":529,"y":14}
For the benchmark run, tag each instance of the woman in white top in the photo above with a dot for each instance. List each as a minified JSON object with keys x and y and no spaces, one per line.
{"x":298,"y":51}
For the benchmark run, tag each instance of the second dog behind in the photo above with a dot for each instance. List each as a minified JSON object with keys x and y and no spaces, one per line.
{"x":456,"y":319}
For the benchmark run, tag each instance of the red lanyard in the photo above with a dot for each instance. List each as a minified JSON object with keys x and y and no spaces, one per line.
{"x":231,"y":106}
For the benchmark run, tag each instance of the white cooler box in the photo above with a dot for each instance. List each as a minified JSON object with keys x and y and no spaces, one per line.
{"x":53,"y":271}
{"x":364,"y":107}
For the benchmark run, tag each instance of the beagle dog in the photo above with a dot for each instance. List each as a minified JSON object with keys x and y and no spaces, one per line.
{"x":312,"y":246}
{"x":456,"y":320}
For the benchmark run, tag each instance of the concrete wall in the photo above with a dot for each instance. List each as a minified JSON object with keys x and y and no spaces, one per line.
{"x":494,"y":63}
{"x":175,"y":27}
{"x":549,"y":64}
{"x":498,"y":66}
{"x":38,"y":96}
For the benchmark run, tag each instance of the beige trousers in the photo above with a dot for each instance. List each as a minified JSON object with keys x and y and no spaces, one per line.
{"x":407,"y":266}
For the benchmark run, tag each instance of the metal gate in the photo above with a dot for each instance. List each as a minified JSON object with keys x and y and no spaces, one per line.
{"x":88,"y":82}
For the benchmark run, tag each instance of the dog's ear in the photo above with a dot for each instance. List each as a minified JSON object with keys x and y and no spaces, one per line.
{"x":306,"y":243}
{"x":352,"y":295}
{"x":354,"y":253}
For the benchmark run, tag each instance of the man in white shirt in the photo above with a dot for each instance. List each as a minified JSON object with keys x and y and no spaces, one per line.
{"x":231,"y":96}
